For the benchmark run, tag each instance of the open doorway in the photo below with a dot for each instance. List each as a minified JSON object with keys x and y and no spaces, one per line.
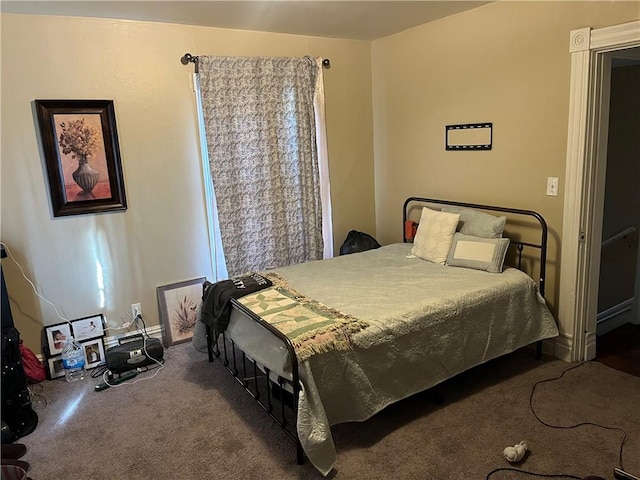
{"x":618,"y":319}
{"x":591,"y":59}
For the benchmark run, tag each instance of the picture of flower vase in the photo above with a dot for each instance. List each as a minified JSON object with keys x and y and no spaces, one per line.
{"x":81,"y":141}
{"x":82,"y":156}
{"x":85,"y":176}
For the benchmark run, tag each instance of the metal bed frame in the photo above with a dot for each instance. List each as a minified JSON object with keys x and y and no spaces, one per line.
{"x":278,"y":396}
{"x":542,"y":246}
{"x":274,"y":398}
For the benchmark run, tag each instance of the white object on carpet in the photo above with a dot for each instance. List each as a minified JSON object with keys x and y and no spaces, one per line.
{"x":516,"y":453}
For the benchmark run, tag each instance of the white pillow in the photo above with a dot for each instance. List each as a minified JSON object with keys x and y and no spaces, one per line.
{"x":434,"y":236}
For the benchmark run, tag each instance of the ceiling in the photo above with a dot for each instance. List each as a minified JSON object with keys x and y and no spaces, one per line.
{"x":361,"y":20}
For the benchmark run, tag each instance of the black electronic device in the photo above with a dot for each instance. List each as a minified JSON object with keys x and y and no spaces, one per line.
{"x":134,"y":352}
{"x":115,"y":381}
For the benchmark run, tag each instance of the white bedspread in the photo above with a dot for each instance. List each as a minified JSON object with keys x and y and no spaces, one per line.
{"x":428,"y":322}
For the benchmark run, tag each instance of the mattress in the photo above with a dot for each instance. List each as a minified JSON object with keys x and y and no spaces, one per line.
{"x":425,"y":323}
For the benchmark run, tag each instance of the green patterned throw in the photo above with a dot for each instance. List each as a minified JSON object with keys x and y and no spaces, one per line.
{"x":311,"y":326}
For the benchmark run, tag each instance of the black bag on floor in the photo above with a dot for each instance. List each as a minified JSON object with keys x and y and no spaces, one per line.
{"x":358,"y":242}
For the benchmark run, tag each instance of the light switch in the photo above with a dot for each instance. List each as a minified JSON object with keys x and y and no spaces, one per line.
{"x":552,"y":186}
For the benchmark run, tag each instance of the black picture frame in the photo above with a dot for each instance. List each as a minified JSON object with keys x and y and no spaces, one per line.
{"x":54,"y":367}
{"x":88,"y":327}
{"x":55,"y":338}
{"x":82,"y":156}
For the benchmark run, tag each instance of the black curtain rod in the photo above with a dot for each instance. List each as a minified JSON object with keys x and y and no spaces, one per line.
{"x":187,"y":58}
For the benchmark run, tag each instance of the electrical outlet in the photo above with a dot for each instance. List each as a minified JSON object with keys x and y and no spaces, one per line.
{"x":136,"y":309}
{"x":552,"y":186}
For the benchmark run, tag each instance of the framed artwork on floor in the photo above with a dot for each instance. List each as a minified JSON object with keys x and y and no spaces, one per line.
{"x":88,"y":327}
{"x":55,"y":369}
{"x":179,"y":304}
{"x":82,"y":156}
{"x":56,"y":336}
{"x":94,"y":355}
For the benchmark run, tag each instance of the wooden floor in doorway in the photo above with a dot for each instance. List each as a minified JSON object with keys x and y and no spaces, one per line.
{"x":620,"y":349}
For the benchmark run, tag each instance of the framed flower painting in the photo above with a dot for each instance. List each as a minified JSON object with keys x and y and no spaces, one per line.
{"x":179,"y":304}
{"x":82,"y":156}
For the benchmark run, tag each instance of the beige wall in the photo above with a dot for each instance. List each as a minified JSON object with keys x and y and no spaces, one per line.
{"x":105,"y":262}
{"x":506,"y":63}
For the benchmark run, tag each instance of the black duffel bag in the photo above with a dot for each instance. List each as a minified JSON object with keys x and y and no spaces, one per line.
{"x":358,"y":242}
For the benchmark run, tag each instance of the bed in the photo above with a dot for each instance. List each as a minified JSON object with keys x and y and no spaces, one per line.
{"x":381,"y":325}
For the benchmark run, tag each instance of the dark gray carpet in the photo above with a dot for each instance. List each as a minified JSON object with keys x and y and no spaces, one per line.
{"x":193,"y":421}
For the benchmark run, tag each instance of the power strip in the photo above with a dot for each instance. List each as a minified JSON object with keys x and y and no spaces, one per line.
{"x":122,"y":378}
{"x":620,"y":474}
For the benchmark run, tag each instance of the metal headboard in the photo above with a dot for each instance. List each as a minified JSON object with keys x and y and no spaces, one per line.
{"x":515,"y":211}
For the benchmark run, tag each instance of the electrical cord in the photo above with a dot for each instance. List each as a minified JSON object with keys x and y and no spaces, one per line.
{"x":35,"y":290}
{"x":144,"y":325}
{"x":98,"y":371}
{"x":581,"y":424}
{"x":42,"y":297}
{"x":160,"y":364}
{"x":101,"y":370}
{"x":148,"y":368}
{"x":567,"y":427}
{"x":534,"y":474}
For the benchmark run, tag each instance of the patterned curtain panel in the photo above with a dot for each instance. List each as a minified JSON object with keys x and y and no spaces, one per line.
{"x":260,"y":129}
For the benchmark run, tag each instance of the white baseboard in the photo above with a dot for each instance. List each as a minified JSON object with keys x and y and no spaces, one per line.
{"x":590,"y":346}
{"x":154,"y":331}
{"x":563,"y":347}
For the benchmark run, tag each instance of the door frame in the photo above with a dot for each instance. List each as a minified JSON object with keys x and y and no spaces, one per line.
{"x":584,"y":184}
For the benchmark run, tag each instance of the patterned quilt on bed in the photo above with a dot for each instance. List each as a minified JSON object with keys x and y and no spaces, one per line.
{"x":311,"y":326}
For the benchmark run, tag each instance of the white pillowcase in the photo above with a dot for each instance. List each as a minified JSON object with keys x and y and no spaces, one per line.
{"x":434,"y":236}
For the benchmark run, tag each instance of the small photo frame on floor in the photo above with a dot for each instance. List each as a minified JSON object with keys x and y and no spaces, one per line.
{"x":179,"y":304}
{"x":55,"y":368}
{"x":56,"y":336}
{"x":94,"y":355}
{"x":88,"y":327}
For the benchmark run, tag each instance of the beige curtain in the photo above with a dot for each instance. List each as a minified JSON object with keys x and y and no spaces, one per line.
{"x":260,"y":126}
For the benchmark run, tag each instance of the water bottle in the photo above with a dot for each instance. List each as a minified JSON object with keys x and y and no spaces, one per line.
{"x":73,"y":361}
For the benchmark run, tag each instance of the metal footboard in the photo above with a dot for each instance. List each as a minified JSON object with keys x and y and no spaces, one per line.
{"x":277,"y":395}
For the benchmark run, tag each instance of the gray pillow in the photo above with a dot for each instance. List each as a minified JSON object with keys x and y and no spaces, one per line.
{"x":476,"y":223}
{"x":478,"y":253}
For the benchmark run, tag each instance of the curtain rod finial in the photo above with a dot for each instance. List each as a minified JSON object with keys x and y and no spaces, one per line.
{"x":186,"y":58}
